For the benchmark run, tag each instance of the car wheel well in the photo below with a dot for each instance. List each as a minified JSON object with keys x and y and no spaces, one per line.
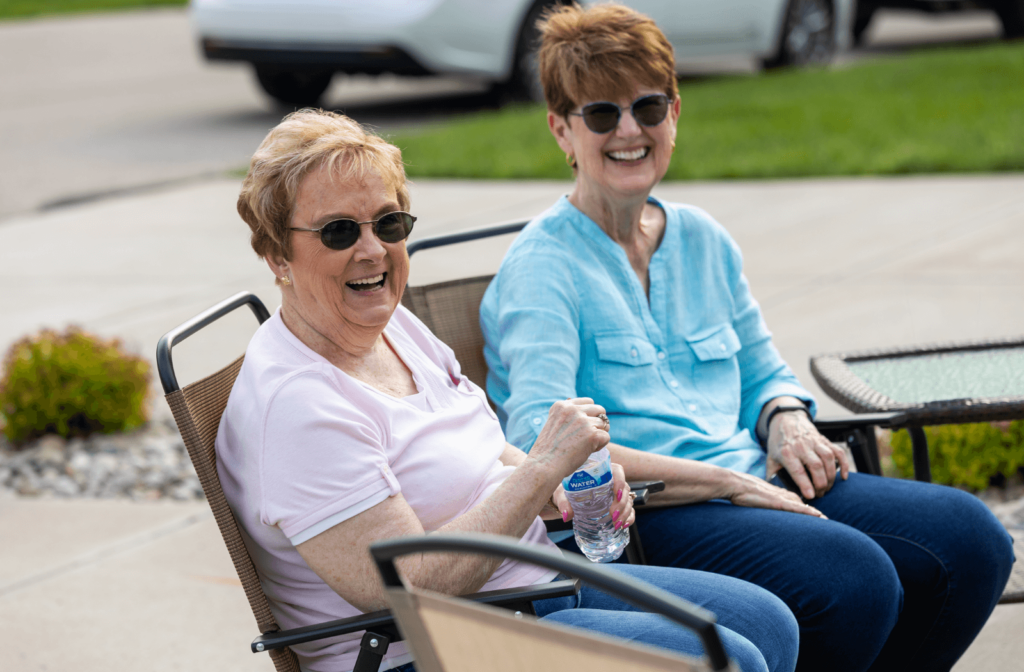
{"x":822,"y":49}
{"x":1011,"y":15}
{"x":523,"y":82}
{"x":293,"y":86}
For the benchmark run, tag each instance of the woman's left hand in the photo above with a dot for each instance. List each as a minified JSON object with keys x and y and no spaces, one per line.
{"x":622,"y":504}
{"x":621,"y":508}
{"x":562,"y":509}
{"x":796,"y":445}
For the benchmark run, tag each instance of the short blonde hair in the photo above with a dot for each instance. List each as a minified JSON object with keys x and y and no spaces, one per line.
{"x":601,"y":53}
{"x":302,"y":142}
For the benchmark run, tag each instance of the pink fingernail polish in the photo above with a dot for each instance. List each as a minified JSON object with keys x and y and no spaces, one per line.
{"x":618,"y":498}
{"x":565,"y":517}
{"x":615,"y":515}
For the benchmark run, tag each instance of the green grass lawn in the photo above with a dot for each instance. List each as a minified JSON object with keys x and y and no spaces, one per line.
{"x":11,"y":9}
{"x":942,"y":110}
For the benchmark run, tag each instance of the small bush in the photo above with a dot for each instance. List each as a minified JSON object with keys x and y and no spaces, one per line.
{"x":965,"y":455}
{"x":72,"y":384}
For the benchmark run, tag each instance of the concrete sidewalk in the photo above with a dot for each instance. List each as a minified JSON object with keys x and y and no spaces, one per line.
{"x":97,"y":585}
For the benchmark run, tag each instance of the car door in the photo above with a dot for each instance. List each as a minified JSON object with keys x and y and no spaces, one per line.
{"x":698,"y":28}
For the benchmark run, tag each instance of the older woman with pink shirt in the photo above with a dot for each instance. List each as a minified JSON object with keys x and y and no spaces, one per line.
{"x":350,"y":422}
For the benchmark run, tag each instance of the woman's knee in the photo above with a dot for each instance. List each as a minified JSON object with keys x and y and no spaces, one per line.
{"x":973,"y":539}
{"x":746,"y":655}
{"x":742,"y":609}
{"x":855,"y":588}
{"x":779,"y":640}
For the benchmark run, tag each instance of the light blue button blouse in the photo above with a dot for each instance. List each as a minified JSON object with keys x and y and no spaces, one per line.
{"x":684,"y":374}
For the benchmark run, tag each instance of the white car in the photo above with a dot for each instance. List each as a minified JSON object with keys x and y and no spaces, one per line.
{"x":297,"y":45}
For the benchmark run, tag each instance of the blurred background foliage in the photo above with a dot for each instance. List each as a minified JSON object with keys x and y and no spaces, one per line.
{"x":973,"y":455}
{"x":934,"y":111}
{"x":71,"y":383}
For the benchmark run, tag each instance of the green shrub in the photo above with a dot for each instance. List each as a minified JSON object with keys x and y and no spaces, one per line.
{"x":73,"y":384}
{"x":965,"y":455}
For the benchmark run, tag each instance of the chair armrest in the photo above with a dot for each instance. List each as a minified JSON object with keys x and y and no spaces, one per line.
{"x":647,"y":598}
{"x":642,"y":489}
{"x":857,"y":432}
{"x":840,"y":425}
{"x":375,"y":620}
{"x":383,"y":623}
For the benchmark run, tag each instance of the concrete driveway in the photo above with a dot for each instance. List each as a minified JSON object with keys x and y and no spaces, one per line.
{"x":100,"y":104}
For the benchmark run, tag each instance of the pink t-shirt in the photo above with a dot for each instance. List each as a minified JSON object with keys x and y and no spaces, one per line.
{"x":303,"y":446}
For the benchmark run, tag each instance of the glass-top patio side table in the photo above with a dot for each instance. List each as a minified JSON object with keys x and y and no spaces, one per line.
{"x":948,"y":383}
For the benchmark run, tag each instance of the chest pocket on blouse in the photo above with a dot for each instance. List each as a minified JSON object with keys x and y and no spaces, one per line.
{"x":624,"y":349}
{"x":624,"y":371}
{"x":716,"y":371}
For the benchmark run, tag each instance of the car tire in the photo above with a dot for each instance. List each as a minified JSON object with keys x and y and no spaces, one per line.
{"x":808,"y":35}
{"x":1011,"y":15}
{"x":292,"y":87}
{"x":861,"y":20}
{"x":524,"y":83}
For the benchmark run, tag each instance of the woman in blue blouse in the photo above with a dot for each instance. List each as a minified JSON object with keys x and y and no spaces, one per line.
{"x":643,"y":306}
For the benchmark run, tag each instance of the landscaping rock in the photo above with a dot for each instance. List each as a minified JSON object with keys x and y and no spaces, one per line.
{"x":150,"y":463}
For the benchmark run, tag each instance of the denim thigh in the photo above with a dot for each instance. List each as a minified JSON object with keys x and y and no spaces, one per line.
{"x":757,"y":629}
{"x":846,"y":579}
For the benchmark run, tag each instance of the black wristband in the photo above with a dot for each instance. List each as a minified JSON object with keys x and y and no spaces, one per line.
{"x":781,"y":409}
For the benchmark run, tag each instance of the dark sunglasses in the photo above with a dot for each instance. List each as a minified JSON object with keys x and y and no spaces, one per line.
{"x":604,"y":117}
{"x":341,"y":234}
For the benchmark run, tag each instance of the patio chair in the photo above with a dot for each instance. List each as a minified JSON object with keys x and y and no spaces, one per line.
{"x":452,"y":635}
{"x":197,"y":411}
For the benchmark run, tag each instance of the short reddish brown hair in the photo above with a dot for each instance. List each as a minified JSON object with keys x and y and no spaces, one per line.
{"x":601,"y":53}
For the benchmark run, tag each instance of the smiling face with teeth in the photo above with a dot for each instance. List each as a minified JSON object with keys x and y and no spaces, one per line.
{"x":346,"y":296}
{"x":623,"y":164}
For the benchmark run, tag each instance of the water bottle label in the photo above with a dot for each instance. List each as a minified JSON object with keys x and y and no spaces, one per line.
{"x":586,"y":479}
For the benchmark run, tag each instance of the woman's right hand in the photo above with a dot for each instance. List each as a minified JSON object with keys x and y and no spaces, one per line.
{"x":572,"y":432}
{"x":754,"y":492}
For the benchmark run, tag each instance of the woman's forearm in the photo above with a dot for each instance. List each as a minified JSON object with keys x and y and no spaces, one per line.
{"x":510,"y":510}
{"x":686,"y":481}
{"x":339,"y":556}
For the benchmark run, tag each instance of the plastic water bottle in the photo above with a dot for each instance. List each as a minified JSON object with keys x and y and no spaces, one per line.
{"x":591,"y":492}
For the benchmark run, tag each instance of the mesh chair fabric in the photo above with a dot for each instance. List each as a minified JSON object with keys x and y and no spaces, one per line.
{"x":452,"y":311}
{"x":452,"y":635}
{"x":197,"y":410}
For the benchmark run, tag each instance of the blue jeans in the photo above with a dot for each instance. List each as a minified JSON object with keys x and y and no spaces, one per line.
{"x":758,"y":631}
{"x":902,"y":577}
{"x":756,"y":628}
